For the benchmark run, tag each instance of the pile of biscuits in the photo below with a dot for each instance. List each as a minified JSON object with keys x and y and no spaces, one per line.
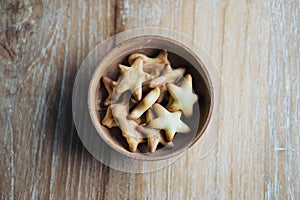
{"x":147,"y":100}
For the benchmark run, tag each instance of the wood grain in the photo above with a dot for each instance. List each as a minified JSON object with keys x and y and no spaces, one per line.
{"x":255,"y":45}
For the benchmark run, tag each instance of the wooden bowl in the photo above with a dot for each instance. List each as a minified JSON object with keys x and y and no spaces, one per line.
{"x":180,"y":56}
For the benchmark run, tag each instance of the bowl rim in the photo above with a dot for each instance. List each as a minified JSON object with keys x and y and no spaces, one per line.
{"x":94,"y":82}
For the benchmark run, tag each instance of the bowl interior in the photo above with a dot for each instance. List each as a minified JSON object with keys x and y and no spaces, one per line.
{"x":179,"y":56}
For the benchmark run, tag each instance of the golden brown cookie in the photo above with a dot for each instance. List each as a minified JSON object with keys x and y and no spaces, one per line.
{"x":145,"y":104}
{"x":161,"y":58}
{"x":109,"y":84}
{"x":183,"y":97}
{"x":168,"y":121}
{"x":155,"y":136}
{"x":127,"y":126}
{"x":153,"y":66}
{"x":108,"y":119}
{"x":132,"y":78}
{"x":168,"y":75}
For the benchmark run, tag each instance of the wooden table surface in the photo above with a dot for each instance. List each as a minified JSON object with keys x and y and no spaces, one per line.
{"x":255,"y":45}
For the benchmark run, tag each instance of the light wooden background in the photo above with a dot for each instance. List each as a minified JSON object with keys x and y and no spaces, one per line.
{"x":255,"y":45}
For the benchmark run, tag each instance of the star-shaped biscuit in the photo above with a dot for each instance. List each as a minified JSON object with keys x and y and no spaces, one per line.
{"x":145,"y":104}
{"x":132,"y":78}
{"x":168,"y":121}
{"x":153,"y":66}
{"x":155,"y":136}
{"x":109,"y":84}
{"x":161,"y":58}
{"x":183,"y":97}
{"x":108,"y":119}
{"x":127,"y":126}
{"x":168,"y":75}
